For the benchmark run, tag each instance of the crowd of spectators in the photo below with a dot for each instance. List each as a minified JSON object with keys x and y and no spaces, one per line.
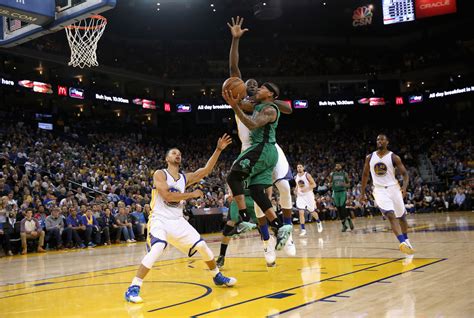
{"x":80,"y":192}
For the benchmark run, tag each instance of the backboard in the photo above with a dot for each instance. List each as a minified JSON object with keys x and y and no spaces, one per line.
{"x":25,"y":20}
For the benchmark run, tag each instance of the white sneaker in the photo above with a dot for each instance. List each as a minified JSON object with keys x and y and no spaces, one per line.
{"x":303,"y":233}
{"x":290,"y":248}
{"x":129,"y":241}
{"x":269,"y":251}
{"x":406,"y":249}
{"x":133,"y":241}
{"x":409,"y":244}
{"x":320,"y":226}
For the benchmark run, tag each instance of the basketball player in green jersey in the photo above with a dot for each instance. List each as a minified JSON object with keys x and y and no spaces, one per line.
{"x":339,"y":181}
{"x":256,"y":163}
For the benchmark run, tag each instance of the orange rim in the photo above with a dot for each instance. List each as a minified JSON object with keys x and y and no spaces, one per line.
{"x":96,"y":17}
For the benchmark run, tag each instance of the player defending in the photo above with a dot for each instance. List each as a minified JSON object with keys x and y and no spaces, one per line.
{"x":281,"y":173}
{"x":339,"y":181}
{"x":167,"y":224}
{"x":305,"y":198}
{"x":387,"y":192}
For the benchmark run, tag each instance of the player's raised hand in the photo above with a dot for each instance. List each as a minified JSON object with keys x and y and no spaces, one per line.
{"x":223,"y":142}
{"x":236,"y":27}
{"x":231,"y":100}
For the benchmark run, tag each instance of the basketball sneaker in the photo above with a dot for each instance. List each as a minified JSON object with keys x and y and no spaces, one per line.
{"x":351,"y":225}
{"x":284,"y":233}
{"x":221,"y":280}
{"x":290,"y":248}
{"x":244,"y":227}
{"x":409,"y":244}
{"x":320,"y":226}
{"x":406,"y":249}
{"x":269,"y":251}
{"x":303,"y":233}
{"x":132,"y":294}
{"x":220,"y":261}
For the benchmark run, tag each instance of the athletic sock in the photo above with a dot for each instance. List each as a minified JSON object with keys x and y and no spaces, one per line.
{"x":302,"y":226}
{"x":264,"y":232}
{"x":223,"y":249}
{"x":214,"y":271}
{"x":137,"y":282}
{"x":405,"y":235}
{"x":287,"y":221}
{"x":401,"y":238}
{"x":276,"y":223}
{"x":244,"y":215}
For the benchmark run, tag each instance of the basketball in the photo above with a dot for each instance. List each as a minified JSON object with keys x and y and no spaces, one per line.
{"x":236,"y":86}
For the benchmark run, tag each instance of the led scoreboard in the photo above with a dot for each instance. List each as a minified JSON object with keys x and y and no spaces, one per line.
{"x":396,"y":11}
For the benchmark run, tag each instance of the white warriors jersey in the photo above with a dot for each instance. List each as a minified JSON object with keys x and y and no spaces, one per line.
{"x":302,"y":183}
{"x":244,"y":134}
{"x":382,"y":170}
{"x":161,"y":209}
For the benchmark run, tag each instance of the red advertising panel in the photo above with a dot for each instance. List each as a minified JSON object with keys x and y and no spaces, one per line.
{"x":429,"y":8}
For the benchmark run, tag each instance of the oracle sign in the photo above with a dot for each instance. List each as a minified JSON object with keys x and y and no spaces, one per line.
{"x":429,"y":8}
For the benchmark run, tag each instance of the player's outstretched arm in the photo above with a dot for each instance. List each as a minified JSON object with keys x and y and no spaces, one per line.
{"x":237,"y":32}
{"x":284,"y":107}
{"x":159,"y":180}
{"x":403,"y":171}
{"x":365,"y":179}
{"x":260,"y":119}
{"x":198,"y":175}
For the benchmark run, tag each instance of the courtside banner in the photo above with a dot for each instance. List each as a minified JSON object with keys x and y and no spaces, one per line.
{"x":430,"y":8}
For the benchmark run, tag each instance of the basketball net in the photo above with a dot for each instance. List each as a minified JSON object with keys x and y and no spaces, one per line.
{"x":83,"y":37}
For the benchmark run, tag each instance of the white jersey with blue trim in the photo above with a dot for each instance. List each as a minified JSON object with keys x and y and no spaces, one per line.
{"x":382,"y":170}
{"x":161,"y":209}
{"x":302,"y":183}
{"x":244,"y":134}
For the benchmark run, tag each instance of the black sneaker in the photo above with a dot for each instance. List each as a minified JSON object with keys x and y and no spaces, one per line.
{"x":344,"y":227}
{"x":351,"y":225}
{"x":220,"y":261}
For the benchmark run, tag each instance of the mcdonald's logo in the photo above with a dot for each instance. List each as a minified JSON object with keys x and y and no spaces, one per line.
{"x":62,"y":90}
{"x":399,"y":100}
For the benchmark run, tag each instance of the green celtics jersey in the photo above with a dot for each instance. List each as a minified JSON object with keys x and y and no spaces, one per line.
{"x":267,"y":133}
{"x":339,"y":179}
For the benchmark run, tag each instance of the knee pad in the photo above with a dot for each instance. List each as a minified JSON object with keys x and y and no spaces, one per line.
{"x":235,"y":180}
{"x":153,"y":254}
{"x":204,"y":251}
{"x":228,"y":230}
{"x":260,"y":197}
{"x":285,"y":194}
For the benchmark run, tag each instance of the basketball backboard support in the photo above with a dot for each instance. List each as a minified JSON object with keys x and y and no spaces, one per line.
{"x":14,"y":32}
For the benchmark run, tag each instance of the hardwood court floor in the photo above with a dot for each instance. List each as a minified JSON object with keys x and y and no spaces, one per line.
{"x":359,"y":274}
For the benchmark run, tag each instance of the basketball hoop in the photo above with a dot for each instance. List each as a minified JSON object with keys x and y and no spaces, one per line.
{"x":83,"y":37}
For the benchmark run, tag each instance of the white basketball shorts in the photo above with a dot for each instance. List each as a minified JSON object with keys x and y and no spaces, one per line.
{"x":390,"y":199}
{"x":306,"y":202}
{"x":282,"y":169}
{"x":178,"y":233}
